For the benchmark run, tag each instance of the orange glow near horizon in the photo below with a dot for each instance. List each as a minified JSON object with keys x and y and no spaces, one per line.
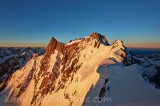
{"x":37,"y":44}
{"x":143,"y":45}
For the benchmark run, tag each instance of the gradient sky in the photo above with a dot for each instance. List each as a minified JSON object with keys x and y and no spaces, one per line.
{"x":34,"y":22}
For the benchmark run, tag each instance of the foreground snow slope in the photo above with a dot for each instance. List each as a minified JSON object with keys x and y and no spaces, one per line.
{"x":126,"y":87}
{"x":83,"y":72}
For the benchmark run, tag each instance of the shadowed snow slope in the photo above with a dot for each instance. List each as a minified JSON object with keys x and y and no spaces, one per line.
{"x":82,"y":72}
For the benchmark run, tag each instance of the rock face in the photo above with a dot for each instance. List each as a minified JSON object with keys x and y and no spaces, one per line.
{"x":62,"y":66}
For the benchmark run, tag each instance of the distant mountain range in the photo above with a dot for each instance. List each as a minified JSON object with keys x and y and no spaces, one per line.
{"x":12,"y":59}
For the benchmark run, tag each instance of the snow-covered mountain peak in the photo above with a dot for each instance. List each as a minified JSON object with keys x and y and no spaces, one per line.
{"x":86,"y":67}
{"x":99,"y":38}
{"x":94,"y":37}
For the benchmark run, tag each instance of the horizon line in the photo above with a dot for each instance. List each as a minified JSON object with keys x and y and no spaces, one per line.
{"x":46,"y":47}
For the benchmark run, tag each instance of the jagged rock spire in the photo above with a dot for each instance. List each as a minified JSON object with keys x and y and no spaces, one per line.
{"x":54,"y":45}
